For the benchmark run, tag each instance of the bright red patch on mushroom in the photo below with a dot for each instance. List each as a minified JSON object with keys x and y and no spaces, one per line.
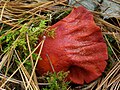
{"x":78,"y":47}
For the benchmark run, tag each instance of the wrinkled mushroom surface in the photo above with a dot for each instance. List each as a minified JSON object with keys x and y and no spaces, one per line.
{"x":78,"y":47}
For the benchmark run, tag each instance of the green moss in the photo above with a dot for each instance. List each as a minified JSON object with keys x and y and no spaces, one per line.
{"x":56,"y":81}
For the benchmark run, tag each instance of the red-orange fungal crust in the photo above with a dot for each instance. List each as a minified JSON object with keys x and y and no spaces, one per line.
{"x":78,"y":47}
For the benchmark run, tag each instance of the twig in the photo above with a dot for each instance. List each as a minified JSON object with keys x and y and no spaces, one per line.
{"x":50,"y":62}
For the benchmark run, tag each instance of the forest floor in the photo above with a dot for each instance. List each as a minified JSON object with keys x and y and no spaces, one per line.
{"x":22,"y":21}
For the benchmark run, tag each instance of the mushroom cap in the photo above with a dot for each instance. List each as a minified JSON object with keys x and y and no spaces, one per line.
{"x":78,"y":47}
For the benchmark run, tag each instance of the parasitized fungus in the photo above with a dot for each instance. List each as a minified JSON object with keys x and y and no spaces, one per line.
{"x":78,"y":47}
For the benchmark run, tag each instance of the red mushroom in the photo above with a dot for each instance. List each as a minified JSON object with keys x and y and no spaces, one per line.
{"x":78,"y":47}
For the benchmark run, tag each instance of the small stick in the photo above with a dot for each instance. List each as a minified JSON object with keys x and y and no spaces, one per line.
{"x":50,"y":62}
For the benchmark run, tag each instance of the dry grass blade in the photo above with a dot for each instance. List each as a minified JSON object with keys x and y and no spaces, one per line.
{"x":31,"y":58}
{"x":115,"y":69}
{"x":21,"y":65}
{"x":26,"y":74}
{"x":114,"y":80}
{"x":44,"y":37}
{"x":9,"y":60}
{"x":11,"y":80}
{"x":2,"y":11}
{"x":6,"y":60}
{"x":108,"y":24}
{"x":3,"y":61}
{"x":112,"y":48}
{"x":22,"y":76}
